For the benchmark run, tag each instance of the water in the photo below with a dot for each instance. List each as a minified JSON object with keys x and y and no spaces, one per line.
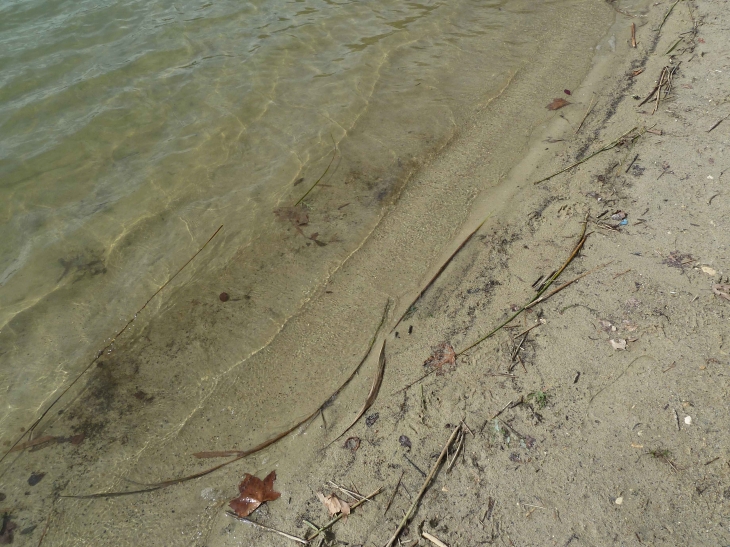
{"x":130,"y":131}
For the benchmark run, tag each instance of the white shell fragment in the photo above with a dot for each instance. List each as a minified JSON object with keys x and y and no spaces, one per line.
{"x":618,"y":344}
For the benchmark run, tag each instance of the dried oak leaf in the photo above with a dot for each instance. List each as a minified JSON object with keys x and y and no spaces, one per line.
{"x":254,"y":492}
{"x":443,"y":354}
{"x":557,"y":104}
{"x":334,"y":504}
{"x":297,"y":215}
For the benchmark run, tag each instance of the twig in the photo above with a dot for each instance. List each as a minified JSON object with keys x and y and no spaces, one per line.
{"x":633,"y":34}
{"x":622,"y":273}
{"x":323,"y":174}
{"x":441,"y":270}
{"x":353,"y":495}
{"x":99,"y":353}
{"x":578,"y":247}
{"x":414,"y":382}
{"x":433,"y":539}
{"x":426,"y":483}
{"x":636,"y":157}
{"x":577,"y":163}
{"x":340,"y":515}
{"x":395,"y":491}
{"x":590,"y":108}
{"x":561,"y":287}
{"x":673,"y":46}
{"x":268,"y":529}
{"x":374,"y":390}
{"x":457,"y":451}
{"x":719,"y":122}
{"x":659,"y":30}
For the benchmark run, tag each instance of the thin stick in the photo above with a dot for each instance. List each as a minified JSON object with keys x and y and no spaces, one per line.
{"x":374,"y":390}
{"x":433,"y":539}
{"x":353,"y":495}
{"x":718,"y":122}
{"x":578,"y":247}
{"x":441,"y":270}
{"x":99,"y":353}
{"x":590,"y":108}
{"x":673,"y":46}
{"x":659,"y":30}
{"x":564,"y":285}
{"x":429,"y":373}
{"x":340,"y":515}
{"x":395,"y":491}
{"x":636,"y":157}
{"x":426,"y":483}
{"x":633,"y":34}
{"x":323,"y":174}
{"x":607,"y":147}
{"x":266,"y":528}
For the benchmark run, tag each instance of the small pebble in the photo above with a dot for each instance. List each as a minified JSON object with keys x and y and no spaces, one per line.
{"x":404,"y":441}
{"x":688,"y":420}
{"x":35,"y":478}
{"x":224,"y":297}
{"x":619,"y":500}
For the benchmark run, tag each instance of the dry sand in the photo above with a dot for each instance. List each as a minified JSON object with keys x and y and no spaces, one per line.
{"x":604,"y":446}
{"x":569,"y":441}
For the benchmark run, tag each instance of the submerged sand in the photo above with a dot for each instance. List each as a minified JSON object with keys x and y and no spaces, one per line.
{"x":570,"y":441}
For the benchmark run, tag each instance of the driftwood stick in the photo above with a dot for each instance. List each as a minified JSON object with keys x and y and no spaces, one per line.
{"x":268,"y":529}
{"x":411,"y":510}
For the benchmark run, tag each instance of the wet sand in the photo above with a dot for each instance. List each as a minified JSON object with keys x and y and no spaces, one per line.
{"x":601,"y":445}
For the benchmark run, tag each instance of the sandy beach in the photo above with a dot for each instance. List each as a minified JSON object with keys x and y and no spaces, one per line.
{"x":595,"y":416}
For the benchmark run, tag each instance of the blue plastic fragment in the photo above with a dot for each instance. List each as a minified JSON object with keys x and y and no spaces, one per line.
{"x":624,"y":222}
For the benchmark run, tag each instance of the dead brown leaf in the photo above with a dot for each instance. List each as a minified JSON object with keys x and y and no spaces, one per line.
{"x":254,"y":492}
{"x":334,"y":504}
{"x":443,"y":354}
{"x":723,"y":291}
{"x":297,"y":215}
{"x":557,"y":104}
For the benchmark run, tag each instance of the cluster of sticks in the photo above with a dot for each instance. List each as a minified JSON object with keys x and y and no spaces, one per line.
{"x":663,"y":85}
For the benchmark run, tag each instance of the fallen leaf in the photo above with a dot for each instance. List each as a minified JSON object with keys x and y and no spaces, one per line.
{"x":618,"y":344}
{"x":443,"y":354}
{"x":254,"y":492}
{"x":723,"y":291}
{"x":708,"y":270}
{"x":557,"y":104}
{"x":334,"y":504}
{"x":297,"y":215}
{"x":352,"y":443}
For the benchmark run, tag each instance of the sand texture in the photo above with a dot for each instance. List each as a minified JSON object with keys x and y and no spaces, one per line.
{"x":597,"y":416}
